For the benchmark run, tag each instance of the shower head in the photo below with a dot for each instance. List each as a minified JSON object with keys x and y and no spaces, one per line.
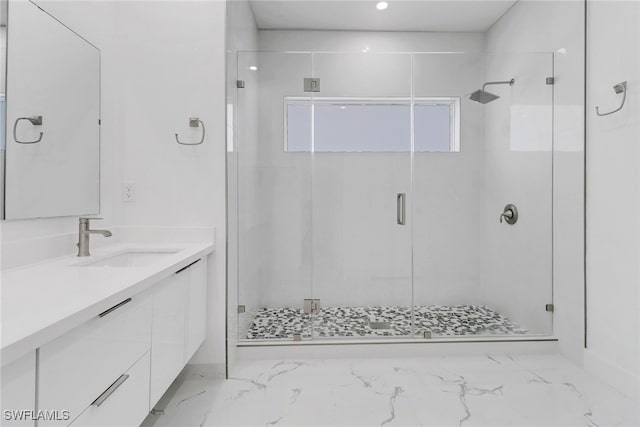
{"x":484,"y":97}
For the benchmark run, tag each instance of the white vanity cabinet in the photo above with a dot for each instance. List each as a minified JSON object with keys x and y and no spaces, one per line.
{"x":18,"y":391}
{"x":179,"y":316}
{"x":111,"y":369}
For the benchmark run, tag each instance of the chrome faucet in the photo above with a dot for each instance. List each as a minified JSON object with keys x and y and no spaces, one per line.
{"x":83,"y":236}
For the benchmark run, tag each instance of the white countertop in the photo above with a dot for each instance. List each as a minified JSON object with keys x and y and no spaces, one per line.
{"x":43,"y":301}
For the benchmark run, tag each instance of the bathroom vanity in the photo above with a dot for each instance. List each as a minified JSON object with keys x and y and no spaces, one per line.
{"x":98,"y":340}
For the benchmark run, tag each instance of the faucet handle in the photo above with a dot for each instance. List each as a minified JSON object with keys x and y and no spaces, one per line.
{"x":509,"y":214}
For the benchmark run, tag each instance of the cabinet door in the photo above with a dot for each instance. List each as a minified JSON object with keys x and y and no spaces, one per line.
{"x":124,"y":403}
{"x":18,"y":390}
{"x":196,"y":308}
{"x":168,"y":333}
{"x":75,"y":368}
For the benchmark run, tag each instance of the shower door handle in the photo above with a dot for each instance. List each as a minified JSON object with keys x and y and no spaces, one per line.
{"x":401,"y":208}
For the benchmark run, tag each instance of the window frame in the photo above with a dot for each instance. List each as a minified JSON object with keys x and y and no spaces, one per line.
{"x":452,"y":101}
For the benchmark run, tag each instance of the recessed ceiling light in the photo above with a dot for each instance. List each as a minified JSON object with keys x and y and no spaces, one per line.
{"x":382,"y":5}
{"x":365,"y":49}
{"x":253,"y":68}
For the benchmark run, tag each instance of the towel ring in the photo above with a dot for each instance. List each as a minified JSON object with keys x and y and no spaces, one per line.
{"x":194,"y":122}
{"x":619,"y":88}
{"x":35,"y":120}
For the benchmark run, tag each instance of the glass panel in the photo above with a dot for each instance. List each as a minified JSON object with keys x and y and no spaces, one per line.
{"x":472,"y":274}
{"x":517,"y":259}
{"x":362,"y":162}
{"x":274,"y":199}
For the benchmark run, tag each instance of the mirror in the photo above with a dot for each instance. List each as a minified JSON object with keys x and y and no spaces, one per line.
{"x":52,"y":126}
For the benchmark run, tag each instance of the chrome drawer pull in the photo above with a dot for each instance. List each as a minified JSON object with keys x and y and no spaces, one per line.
{"x":115,"y":307}
{"x":108,"y":392}
{"x":184,"y":268}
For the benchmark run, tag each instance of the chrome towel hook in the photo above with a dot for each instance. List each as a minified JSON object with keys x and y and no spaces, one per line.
{"x":619,"y":88}
{"x":35,"y":120}
{"x":194,"y":122}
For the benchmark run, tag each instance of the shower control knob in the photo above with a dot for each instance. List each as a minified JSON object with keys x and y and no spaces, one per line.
{"x":509,"y":214}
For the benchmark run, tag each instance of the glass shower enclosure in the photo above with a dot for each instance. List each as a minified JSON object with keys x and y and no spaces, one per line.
{"x":371,"y":198}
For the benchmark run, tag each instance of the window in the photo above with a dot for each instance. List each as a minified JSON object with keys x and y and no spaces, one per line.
{"x":371,"y":124}
{"x":436,"y":124}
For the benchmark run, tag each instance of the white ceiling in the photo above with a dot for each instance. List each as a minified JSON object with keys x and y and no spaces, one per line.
{"x":401,"y":15}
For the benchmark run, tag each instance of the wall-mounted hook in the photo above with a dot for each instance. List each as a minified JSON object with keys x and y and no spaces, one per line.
{"x":619,"y":88}
{"x":194,"y":122}
{"x":35,"y":121}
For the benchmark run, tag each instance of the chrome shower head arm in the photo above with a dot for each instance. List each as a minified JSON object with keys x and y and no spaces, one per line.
{"x":507,"y":82}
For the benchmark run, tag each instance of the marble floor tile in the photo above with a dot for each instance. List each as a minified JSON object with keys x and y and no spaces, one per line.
{"x":493,"y":390}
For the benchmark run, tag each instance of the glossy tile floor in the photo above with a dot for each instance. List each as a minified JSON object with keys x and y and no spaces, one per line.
{"x":495,"y":390}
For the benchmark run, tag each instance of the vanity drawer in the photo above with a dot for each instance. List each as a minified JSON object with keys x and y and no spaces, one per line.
{"x":78,"y":366}
{"x":124,"y":403}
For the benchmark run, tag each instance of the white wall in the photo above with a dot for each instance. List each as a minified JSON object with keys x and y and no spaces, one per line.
{"x":518,"y":259}
{"x":355,"y":41}
{"x":613,"y":196}
{"x":176,"y":71}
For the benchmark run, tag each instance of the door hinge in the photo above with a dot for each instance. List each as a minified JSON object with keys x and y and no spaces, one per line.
{"x":549,"y":307}
{"x":312,"y":306}
{"x":311,"y":84}
{"x":242,"y":309}
{"x":240,"y":84}
{"x":551,"y":80}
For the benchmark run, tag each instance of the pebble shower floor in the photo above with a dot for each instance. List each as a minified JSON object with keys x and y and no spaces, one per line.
{"x":392,"y":321}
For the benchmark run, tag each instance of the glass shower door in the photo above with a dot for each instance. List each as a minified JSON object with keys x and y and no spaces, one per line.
{"x":476,"y":274}
{"x":273,"y":182}
{"x":361,"y":185}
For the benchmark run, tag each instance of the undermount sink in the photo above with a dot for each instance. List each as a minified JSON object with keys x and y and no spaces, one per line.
{"x":131,"y":258}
